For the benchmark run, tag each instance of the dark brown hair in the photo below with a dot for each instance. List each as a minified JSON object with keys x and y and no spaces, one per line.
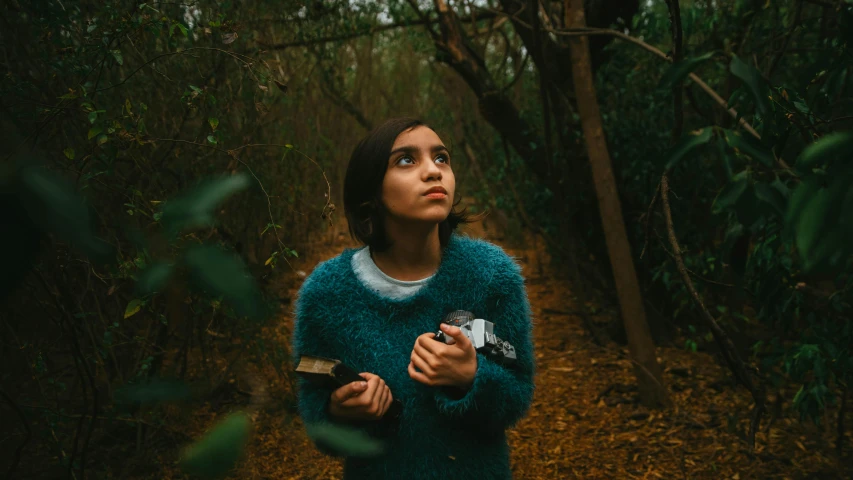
{"x":363,"y":187}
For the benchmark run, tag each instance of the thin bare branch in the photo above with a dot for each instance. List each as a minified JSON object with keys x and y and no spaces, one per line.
{"x":727,"y":348}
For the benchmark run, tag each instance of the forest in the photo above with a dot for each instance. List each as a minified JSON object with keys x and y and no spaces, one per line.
{"x":670,"y":175}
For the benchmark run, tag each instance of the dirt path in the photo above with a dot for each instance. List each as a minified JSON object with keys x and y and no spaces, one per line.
{"x":584,"y":422}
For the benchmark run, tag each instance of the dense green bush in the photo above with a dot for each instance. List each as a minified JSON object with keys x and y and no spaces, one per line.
{"x":764,"y":221}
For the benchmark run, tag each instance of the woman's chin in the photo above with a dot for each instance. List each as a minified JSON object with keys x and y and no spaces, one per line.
{"x":428,"y":219}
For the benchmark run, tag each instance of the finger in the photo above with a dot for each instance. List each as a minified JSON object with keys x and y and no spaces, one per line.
{"x":367,"y":375}
{"x":457,"y":334}
{"x":428,"y":343}
{"x":387,"y":403}
{"x":380,"y":402}
{"x":422,"y":365}
{"x":375,"y":393}
{"x":348,"y":391}
{"x":364,"y":398}
{"x":430,"y":355}
{"x":418,"y":376}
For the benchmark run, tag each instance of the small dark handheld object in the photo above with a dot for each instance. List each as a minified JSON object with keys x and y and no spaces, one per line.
{"x":481,"y":334}
{"x":332,"y":373}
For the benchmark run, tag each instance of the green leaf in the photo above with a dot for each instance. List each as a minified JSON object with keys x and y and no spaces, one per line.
{"x":93,"y":132}
{"x":214,"y":122}
{"x":771,"y":197}
{"x":153,"y":391}
{"x":183,"y":29}
{"x":224,"y":274}
{"x":829,"y":149}
{"x":195,"y":208}
{"x":754,"y":81}
{"x":679,"y":71}
{"x":54,"y":206}
{"x":211,"y":139}
{"x":69,"y":153}
{"x":730,"y":193}
{"x":347,"y":441}
{"x":687,"y":144}
{"x":117,"y":56}
{"x":153,"y":278}
{"x":92,"y":117}
{"x":133,"y":307}
{"x":215,"y":454}
{"x":749,"y":145}
{"x":821,"y":232}
{"x":747,"y":208}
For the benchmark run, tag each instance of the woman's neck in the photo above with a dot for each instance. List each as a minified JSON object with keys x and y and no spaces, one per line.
{"x":415,"y":252}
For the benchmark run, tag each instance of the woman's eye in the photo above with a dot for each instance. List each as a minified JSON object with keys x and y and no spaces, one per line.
{"x":405,"y":160}
{"x":443,"y":158}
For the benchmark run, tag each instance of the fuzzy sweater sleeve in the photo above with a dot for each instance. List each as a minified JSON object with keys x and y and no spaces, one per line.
{"x":500,"y":395}
{"x":312,"y":328}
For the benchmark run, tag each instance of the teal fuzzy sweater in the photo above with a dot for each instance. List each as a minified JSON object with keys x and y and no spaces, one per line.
{"x":440,"y":435}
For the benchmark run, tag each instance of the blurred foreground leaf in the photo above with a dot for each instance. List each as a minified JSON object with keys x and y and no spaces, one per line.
{"x":828,"y":150}
{"x":816,"y":216}
{"x":153,"y":278}
{"x":216,"y":454}
{"x":54,"y":206}
{"x":20,"y":243}
{"x":224,"y":274}
{"x":195,"y":208}
{"x":348,"y":441}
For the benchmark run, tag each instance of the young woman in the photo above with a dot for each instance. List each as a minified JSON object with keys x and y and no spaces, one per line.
{"x":377,"y":309}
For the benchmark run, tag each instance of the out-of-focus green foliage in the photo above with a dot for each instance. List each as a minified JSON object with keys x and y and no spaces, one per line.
{"x":346,"y":440}
{"x":216,"y":454}
{"x":184,"y":150}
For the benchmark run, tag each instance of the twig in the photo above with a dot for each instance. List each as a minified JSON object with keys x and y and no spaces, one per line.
{"x":842,"y":410}
{"x":648,"y":220}
{"x":20,"y":448}
{"x":727,"y":348}
{"x":422,"y":20}
{"x":575,"y":32}
{"x":247,"y":61}
{"x":790,"y":34}
{"x":677,"y":56}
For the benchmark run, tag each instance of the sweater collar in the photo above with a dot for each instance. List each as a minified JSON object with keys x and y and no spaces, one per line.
{"x":433,"y":287}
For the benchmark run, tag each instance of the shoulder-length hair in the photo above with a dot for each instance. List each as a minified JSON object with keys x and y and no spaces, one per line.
{"x":363,"y":204}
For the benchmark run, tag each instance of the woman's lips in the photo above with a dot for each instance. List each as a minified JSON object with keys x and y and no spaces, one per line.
{"x":436,"y":195}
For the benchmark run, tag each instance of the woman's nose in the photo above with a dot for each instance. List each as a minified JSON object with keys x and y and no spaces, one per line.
{"x":431,"y":170}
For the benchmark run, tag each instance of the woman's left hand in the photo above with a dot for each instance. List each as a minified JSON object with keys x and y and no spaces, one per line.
{"x":441,"y":364}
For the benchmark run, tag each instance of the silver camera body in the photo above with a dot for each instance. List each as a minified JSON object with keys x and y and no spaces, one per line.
{"x":481,"y":334}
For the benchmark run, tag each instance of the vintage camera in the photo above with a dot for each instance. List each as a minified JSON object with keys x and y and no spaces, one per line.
{"x":481,"y":334}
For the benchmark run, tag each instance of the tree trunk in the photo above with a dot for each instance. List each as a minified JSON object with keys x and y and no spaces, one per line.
{"x":642,"y":348}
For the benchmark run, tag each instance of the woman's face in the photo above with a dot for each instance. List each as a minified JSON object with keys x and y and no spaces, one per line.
{"x":419,"y":183}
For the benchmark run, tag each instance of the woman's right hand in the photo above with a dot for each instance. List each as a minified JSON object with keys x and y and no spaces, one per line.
{"x":368,"y":400}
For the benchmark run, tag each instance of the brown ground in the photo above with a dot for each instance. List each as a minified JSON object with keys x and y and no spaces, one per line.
{"x":584,"y":422}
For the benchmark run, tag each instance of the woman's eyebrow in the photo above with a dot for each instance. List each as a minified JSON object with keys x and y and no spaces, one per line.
{"x":412,"y":148}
